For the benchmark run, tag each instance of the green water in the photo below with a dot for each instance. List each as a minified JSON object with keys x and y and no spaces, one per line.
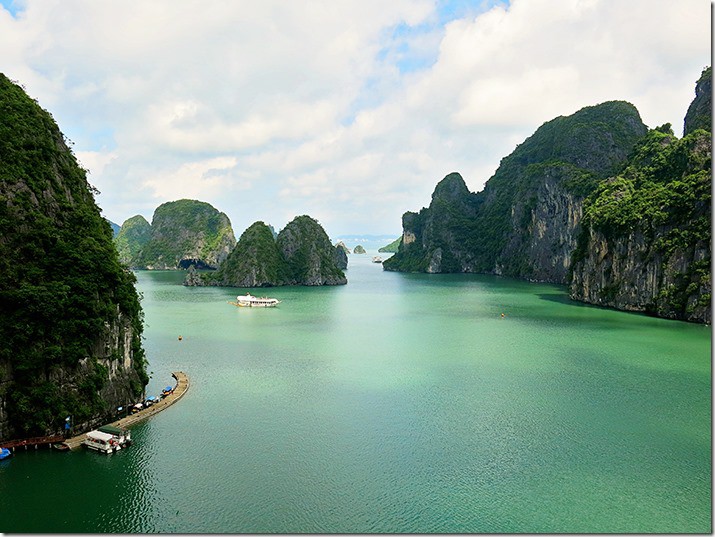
{"x":397,"y":403}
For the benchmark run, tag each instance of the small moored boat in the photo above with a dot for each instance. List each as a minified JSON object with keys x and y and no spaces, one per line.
{"x":5,"y":453}
{"x":101,"y":442}
{"x":377,"y":259}
{"x":250,"y":301}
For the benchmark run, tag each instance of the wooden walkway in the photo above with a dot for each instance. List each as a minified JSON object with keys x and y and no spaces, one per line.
{"x":182,"y":386}
{"x":35,"y":442}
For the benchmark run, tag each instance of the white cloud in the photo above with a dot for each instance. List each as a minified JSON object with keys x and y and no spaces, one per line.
{"x":95,"y":161}
{"x":196,"y":179}
{"x":268,"y":109}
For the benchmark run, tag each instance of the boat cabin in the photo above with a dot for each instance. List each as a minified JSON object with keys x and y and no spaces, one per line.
{"x":122,"y":436}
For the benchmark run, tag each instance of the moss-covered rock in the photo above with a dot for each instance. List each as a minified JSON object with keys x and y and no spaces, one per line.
{"x":341,"y":256}
{"x":254,"y":262}
{"x":546,"y":177}
{"x":594,"y":200}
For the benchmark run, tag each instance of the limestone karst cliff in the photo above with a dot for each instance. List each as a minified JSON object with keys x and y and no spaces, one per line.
{"x":182,"y":233}
{"x":525,"y":222}
{"x":596,"y":201}
{"x":70,"y":337}
{"x":646,"y":242}
{"x":254,"y":262}
{"x":301,"y":254}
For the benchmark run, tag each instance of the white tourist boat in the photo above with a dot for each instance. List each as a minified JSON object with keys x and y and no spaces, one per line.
{"x":377,"y":259}
{"x":250,"y":301}
{"x":102,"y":442}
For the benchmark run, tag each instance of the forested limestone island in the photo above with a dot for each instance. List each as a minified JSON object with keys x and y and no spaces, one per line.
{"x":341,"y":255}
{"x":359,"y":249}
{"x":391,"y":248}
{"x":301,"y":254}
{"x":182,"y":233}
{"x":70,"y":336}
{"x":597,"y":201}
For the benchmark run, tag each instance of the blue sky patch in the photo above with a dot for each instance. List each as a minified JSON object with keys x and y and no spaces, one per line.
{"x":14,"y":7}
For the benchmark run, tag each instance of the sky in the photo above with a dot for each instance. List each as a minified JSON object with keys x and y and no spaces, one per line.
{"x":348,"y":111}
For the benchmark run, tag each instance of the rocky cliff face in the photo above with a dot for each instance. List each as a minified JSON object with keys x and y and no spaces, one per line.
{"x":341,"y":256}
{"x":525,"y":222}
{"x":254,"y":262}
{"x":301,"y":254}
{"x":70,"y":337}
{"x":700,"y":112}
{"x":627,"y":273}
{"x":595,"y":201}
{"x":646,"y":244}
{"x":308,"y":253}
{"x":184,"y":233}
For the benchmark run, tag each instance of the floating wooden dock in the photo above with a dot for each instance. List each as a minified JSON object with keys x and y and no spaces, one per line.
{"x":182,"y":386}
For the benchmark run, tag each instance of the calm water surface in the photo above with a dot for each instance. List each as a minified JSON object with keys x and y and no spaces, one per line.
{"x":397,"y":403}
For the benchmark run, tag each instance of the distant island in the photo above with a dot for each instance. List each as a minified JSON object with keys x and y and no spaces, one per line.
{"x":597,"y":201}
{"x":182,"y":233}
{"x":301,"y":254}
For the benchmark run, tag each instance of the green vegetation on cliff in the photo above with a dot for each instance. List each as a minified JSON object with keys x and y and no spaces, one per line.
{"x":664,"y":196}
{"x":308,"y":253}
{"x":254,"y":262}
{"x":133,"y":235}
{"x":301,"y":254}
{"x":62,"y":287}
{"x":594,"y":200}
{"x":392,"y":247}
{"x":182,"y":233}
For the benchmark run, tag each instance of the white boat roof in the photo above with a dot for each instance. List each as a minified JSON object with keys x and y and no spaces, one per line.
{"x":99,"y":435}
